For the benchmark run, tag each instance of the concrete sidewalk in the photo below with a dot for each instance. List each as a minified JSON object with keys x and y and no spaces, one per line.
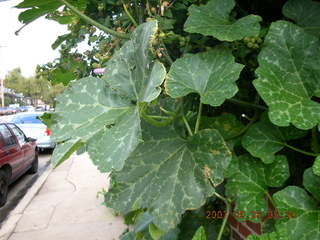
{"x":67,"y":207}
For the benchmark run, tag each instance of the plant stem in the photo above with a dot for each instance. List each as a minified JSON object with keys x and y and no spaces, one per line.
{"x":198,"y":119}
{"x":167,"y":112}
{"x":159,"y":117}
{"x":187,"y":125}
{"x":93,"y":22}
{"x":252,"y":105}
{"x":226,"y":217}
{"x":270,"y":198}
{"x":301,"y":151}
{"x":129,"y":15}
{"x":315,"y":142}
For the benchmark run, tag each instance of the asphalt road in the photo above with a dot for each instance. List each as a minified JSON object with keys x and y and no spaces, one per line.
{"x":19,"y":188}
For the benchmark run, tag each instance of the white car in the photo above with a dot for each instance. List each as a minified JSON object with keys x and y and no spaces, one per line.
{"x":32,"y":126}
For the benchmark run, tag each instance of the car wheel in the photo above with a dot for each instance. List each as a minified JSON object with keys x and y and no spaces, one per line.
{"x":4,"y":183}
{"x":34,"y":166}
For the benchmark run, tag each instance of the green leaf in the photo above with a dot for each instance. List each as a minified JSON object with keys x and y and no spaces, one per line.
{"x":316,"y":166}
{"x":277,"y":172}
{"x":87,"y":111}
{"x":289,"y":75}
{"x":85,"y":108}
{"x":200,"y":234}
{"x":165,"y":159}
{"x":143,"y":222}
{"x":312,"y":183}
{"x":155,"y":232}
{"x":227,"y":124}
{"x":263,"y":139}
{"x":279,"y":234}
{"x":213,"y":19}
{"x":128,"y":236}
{"x":132,"y":71}
{"x":305,"y":13}
{"x":64,"y":150}
{"x":46,"y":119}
{"x":35,"y":3}
{"x":95,"y":113}
{"x":60,"y":40}
{"x":210,"y":74}
{"x":59,"y":76}
{"x":116,"y":142}
{"x":37,"y":9}
{"x":248,"y":181}
{"x":306,"y":224}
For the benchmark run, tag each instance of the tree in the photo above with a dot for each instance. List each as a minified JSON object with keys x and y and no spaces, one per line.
{"x":36,"y":87}
{"x":202,"y":103}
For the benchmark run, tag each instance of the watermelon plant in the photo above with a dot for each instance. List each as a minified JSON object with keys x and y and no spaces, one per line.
{"x":204,"y":105}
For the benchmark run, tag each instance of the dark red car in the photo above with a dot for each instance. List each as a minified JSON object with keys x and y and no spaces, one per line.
{"x":18,"y":155}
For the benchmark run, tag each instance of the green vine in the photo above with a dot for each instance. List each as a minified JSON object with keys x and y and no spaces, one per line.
{"x":230,"y":90}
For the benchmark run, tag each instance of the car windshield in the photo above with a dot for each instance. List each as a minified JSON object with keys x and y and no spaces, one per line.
{"x":27,"y":119}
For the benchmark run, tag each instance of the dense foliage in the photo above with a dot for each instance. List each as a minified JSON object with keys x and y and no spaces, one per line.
{"x":202,"y":103}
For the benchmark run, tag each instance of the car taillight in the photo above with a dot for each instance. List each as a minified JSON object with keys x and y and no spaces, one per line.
{"x":47,"y":131}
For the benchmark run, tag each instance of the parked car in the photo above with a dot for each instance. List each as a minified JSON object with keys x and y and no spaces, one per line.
{"x":27,"y":109}
{"x":18,"y":155}
{"x":32,"y":126}
{"x":5,"y":111}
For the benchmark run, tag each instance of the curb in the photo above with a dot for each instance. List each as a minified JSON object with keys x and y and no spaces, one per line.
{"x":10,"y":224}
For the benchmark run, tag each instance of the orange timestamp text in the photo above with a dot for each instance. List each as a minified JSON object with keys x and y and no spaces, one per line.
{"x":220,"y":214}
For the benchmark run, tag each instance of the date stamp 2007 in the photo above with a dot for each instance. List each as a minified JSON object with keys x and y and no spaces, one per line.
{"x":220,"y":214}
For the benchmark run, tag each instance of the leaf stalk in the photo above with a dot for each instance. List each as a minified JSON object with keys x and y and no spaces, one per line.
{"x":187,"y":125}
{"x":228,"y":206}
{"x":300,"y":151}
{"x":248,"y":104}
{"x":198,"y":118}
{"x":129,"y":15}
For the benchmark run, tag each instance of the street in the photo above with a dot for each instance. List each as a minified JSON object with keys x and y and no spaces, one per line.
{"x":19,"y":188}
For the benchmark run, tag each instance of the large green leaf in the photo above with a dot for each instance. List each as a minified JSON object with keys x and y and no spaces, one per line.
{"x":227,"y":124}
{"x":306,"y":224}
{"x":248,"y":181}
{"x":85,"y":108}
{"x":289,"y":75}
{"x":116,"y":142}
{"x":89,"y":111}
{"x":64,"y":150}
{"x":133,"y":71}
{"x":213,"y":19}
{"x":305,"y":13}
{"x":211,"y":74}
{"x":164,"y":159}
{"x":316,"y":166}
{"x":312,"y":183}
{"x":94,"y":113}
{"x":263,"y":139}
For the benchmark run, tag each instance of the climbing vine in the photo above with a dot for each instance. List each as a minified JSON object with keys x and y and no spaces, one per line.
{"x":203,"y":105}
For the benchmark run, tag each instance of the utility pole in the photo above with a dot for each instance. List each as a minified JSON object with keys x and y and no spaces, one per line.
{"x":2,"y":87}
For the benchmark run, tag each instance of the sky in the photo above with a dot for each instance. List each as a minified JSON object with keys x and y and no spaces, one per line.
{"x":33,"y":44}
